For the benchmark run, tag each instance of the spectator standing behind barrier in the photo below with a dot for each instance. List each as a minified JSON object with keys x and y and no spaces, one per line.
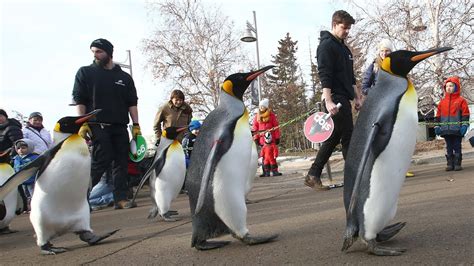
{"x":175,"y":113}
{"x":36,"y":132}
{"x":454,"y":112}
{"x":336,"y":72}
{"x":10,"y":131}
{"x":269,"y":154}
{"x":384,"y":48}
{"x":104,"y":85}
{"x":25,"y":155}
{"x":189,"y":139}
{"x":264,"y":120}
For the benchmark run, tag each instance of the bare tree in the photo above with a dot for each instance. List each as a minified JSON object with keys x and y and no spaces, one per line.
{"x":416,"y":25}
{"x":195,"y":47}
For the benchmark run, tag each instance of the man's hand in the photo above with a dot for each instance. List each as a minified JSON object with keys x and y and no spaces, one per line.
{"x":85,"y":132}
{"x":331,"y":107}
{"x":136,"y":130}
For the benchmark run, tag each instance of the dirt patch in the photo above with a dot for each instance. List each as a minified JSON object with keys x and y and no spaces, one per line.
{"x":424,"y":146}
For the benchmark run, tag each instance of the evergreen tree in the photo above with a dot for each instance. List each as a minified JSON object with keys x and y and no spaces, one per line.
{"x":285,"y":89}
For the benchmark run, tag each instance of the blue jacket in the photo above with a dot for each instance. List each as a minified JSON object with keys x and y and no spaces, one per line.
{"x":20,"y":162}
{"x":368,"y":80}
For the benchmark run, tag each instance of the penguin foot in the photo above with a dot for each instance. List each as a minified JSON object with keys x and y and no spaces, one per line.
{"x":48,"y":249}
{"x":207,"y":245}
{"x":167,"y":218}
{"x":378,"y":250}
{"x":7,"y":230}
{"x":92,"y":239}
{"x":255,"y":240}
{"x":389,"y":231}
{"x":172,"y":212}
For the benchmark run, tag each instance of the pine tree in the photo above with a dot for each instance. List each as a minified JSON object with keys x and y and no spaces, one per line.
{"x":285,"y":89}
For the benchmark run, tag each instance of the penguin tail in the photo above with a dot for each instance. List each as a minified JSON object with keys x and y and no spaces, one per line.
{"x":350,"y":236}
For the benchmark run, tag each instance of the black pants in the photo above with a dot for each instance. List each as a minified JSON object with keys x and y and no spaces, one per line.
{"x":343,"y":126}
{"x":453,"y":144}
{"x":110,"y":149}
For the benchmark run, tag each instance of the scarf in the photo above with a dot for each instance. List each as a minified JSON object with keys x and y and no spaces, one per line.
{"x":264,"y":117}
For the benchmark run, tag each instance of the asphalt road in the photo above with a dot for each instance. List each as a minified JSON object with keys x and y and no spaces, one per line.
{"x":438,"y":207}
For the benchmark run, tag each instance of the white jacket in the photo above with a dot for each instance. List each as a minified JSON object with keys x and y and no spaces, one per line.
{"x":42,"y":143}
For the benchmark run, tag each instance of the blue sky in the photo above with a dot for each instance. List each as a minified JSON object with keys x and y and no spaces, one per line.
{"x":43,"y":43}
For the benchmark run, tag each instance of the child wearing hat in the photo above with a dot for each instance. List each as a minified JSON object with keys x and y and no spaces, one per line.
{"x":269,"y":154}
{"x":25,"y":155}
{"x":453,"y":118}
{"x":384,"y":48}
{"x":190,"y":138}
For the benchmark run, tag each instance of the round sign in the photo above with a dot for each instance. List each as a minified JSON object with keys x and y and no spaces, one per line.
{"x":318,"y":127}
{"x":137,"y":149}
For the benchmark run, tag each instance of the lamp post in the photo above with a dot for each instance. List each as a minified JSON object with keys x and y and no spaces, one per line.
{"x":129,"y":65}
{"x":250,"y":38}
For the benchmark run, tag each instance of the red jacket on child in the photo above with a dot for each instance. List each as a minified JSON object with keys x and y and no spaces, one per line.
{"x":263,"y":122}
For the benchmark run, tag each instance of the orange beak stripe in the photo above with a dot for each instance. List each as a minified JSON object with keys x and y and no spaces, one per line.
{"x":420,"y":57}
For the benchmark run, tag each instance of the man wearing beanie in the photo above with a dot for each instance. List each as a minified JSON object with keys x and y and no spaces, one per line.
{"x":10,"y":131}
{"x":104,"y":85}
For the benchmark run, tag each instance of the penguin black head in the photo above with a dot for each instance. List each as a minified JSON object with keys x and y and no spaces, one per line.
{"x":172,"y":132}
{"x":71,"y":124}
{"x":401,"y":62}
{"x":237,"y":83}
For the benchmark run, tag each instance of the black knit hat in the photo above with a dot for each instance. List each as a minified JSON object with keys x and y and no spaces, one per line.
{"x":2,"y":112}
{"x":104,"y":45}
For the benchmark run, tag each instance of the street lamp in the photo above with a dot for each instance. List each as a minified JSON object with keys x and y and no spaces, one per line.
{"x":250,"y":38}
{"x":129,"y":65}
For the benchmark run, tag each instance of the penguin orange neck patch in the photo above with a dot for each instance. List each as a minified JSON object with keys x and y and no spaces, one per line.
{"x":227,"y":86}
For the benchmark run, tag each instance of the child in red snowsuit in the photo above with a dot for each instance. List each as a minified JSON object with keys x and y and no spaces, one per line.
{"x":453,"y":116}
{"x":269,"y":153}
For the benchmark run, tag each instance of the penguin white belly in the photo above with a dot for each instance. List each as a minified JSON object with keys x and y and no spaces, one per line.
{"x":11,"y":200}
{"x":171,"y":178}
{"x":231,"y":180}
{"x":252,"y":168}
{"x":389,"y":169}
{"x":59,"y":203}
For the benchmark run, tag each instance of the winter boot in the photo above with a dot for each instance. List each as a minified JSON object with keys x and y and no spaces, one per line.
{"x":266,"y":170}
{"x":275,"y":170}
{"x":450,"y":164}
{"x":457,"y":162}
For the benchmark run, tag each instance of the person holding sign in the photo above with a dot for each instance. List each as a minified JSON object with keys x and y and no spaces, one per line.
{"x":336,"y":72}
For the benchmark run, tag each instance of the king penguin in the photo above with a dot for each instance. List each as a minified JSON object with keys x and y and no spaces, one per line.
{"x":218,"y":175}
{"x":59,"y":203}
{"x":166,"y":174}
{"x":379,"y":154}
{"x":12,"y":204}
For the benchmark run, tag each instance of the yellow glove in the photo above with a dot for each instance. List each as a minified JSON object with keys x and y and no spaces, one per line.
{"x":85,"y":131}
{"x":136,"y":130}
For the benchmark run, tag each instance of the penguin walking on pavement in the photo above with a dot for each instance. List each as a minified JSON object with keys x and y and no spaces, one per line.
{"x":59,"y":203}
{"x":12,"y":204}
{"x":380,"y":151}
{"x":218,"y":175}
{"x":166,"y":174}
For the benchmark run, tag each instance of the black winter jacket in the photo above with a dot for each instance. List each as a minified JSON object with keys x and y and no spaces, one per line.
{"x":335,"y":66}
{"x":10,"y":132}
{"x":112,"y":90}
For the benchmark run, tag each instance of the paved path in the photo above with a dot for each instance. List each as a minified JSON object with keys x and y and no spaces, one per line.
{"x":437,"y":206}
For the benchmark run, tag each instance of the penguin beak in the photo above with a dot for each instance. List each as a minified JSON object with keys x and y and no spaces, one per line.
{"x":253,"y":75}
{"x":84,"y":118}
{"x":425,"y":54}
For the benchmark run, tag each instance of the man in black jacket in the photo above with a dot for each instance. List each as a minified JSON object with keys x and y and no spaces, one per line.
{"x":10,"y":131}
{"x":336,"y":72}
{"x":104,"y":85}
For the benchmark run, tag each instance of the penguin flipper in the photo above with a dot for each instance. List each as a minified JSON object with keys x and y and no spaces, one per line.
{"x":352,"y":228}
{"x":35,"y":167}
{"x":157,"y":165}
{"x":208,"y":170}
